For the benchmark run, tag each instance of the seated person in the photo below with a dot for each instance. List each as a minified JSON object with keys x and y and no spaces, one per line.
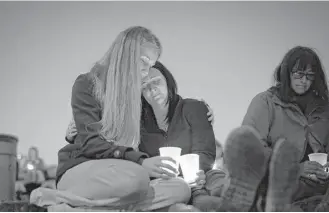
{"x":281,"y":127}
{"x":169,"y":120}
{"x":106,"y":108}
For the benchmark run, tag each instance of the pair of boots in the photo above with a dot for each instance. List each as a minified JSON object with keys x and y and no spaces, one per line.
{"x":247,"y":160}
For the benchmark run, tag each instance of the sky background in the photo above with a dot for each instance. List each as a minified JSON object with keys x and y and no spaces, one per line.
{"x":223,"y":52}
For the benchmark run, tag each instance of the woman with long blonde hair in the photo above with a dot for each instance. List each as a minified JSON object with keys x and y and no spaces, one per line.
{"x":103,"y":168}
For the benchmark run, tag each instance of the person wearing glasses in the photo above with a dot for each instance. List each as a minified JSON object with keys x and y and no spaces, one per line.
{"x":294,"y":111}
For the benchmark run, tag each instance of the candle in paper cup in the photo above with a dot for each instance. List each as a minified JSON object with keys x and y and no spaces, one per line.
{"x":189,"y":164}
{"x":321,"y":158}
{"x":174,"y":153}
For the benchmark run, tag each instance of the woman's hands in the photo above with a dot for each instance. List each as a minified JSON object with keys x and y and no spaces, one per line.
{"x":210,"y":114}
{"x":71,"y":131}
{"x":200,"y":180}
{"x":157,"y":168}
{"x":314,"y":171}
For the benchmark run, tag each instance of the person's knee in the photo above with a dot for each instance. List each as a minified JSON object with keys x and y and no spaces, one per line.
{"x":181,"y":192}
{"x":139,"y":181}
{"x":106,"y":179}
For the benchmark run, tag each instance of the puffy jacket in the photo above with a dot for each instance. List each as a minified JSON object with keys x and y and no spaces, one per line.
{"x":276,"y":119}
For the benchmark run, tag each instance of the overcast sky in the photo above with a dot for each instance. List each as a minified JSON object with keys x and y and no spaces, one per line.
{"x":224,"y":52}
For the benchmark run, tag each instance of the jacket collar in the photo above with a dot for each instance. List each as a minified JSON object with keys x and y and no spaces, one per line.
{"x":312,"y":106}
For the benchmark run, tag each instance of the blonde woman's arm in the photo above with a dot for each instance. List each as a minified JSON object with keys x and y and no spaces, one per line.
{"x":87,"y":114}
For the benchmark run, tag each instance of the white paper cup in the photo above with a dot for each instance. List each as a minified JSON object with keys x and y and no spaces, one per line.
{"x":174,"y":153}
{"x":321,"y":158}
{"x":189,"y":164}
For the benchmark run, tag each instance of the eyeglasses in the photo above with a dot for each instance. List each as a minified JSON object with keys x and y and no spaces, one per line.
{"x":299,"y":74}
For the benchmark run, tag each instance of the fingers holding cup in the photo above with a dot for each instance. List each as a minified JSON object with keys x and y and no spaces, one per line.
{"x":201,"y":178}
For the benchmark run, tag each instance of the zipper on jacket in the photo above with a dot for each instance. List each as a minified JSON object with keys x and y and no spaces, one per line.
{"x":307,"y":136}
{"x":165,"y":136}
{"x":308,"y":132}
{"x":315,"y":108}
{"x":304,"y":150}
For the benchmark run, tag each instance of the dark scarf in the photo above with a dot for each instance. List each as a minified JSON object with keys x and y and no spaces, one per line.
{"x":303,"y":101}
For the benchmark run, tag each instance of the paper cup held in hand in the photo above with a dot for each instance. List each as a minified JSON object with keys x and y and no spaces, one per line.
{"x":189,"y":164}
{"x":174,"y":153}
{"x":321,"y":158}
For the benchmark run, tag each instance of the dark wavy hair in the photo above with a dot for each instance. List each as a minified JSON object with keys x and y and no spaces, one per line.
{"x":173,"y":97}
{"x":305,"y":56}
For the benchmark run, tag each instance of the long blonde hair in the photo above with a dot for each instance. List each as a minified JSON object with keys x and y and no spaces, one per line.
{"x":117,"y":86}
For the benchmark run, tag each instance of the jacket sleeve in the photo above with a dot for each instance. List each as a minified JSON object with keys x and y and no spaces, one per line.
{"x":203,"y":137}
{"x":87,"y":112}
{"x":258,"y":116}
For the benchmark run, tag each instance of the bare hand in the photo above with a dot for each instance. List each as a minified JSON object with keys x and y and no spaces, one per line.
{"x":71,"y":131}
{"x":210,"y":114}
{"x":312,"y":169}
{"x":200,"y":181}
{"x":155,"y":167}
